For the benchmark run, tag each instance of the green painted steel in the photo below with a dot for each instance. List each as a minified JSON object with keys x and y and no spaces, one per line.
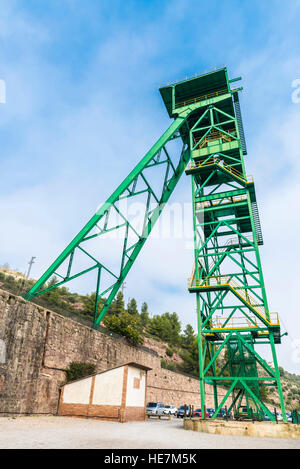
{"x":135,"y":184}
{"x":232,"y":309}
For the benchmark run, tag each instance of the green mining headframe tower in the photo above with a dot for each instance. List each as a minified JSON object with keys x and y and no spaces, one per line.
{"x":206,"y":140}
{"x":227,"y":279}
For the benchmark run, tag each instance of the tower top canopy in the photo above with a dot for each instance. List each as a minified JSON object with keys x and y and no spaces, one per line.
{"x":189,"y":90}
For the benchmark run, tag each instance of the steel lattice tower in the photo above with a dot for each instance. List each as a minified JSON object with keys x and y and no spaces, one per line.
{"x":227,"y":279}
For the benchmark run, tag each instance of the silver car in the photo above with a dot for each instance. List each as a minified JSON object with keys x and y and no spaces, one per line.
{"x":155,"y":408}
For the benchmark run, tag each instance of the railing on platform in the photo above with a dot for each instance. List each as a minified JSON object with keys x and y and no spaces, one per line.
{"x":225,"y":200}
{"x":195,"y":165}
{"x":229,"y":281}
{"x":203,"y":97}
{"x":226,"y":136}
{"x":236,"y":322}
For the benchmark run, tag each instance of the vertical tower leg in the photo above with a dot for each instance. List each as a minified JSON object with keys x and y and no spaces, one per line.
{"x":214,"y":383}
{"x":201,"y":358}
{"x":277,"y":377}
{"x":199,"y":313}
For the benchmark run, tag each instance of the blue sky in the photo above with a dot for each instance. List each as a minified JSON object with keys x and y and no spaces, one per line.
{"x":83,"y":107}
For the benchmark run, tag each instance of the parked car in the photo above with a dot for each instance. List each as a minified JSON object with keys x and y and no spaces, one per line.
{"x":245,"y":413}
{"x":170,"y":409}
{"x":198,"y":413}
{"x":211,"y":412}
{"x":221,"y":413}
{"x":266,"y":417}
{"x":279,"y":417}
{"x":155,"y":408}
{"x":180,"y":411}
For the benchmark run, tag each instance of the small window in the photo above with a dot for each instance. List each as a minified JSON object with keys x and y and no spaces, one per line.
{"x":136,"y":383}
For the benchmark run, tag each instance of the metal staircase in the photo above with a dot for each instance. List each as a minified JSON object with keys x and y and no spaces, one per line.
{"x":257,"y":223}
{"x":238,"y":114}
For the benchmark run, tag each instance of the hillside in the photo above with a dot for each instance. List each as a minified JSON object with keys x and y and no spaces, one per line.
{"x":162,"y":333}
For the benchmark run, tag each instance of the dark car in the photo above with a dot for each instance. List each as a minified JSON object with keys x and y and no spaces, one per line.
{"x":211,"y":412}
{"x":180,"y":411}
{"x":198,"y":413}
{"x":222,"y":413}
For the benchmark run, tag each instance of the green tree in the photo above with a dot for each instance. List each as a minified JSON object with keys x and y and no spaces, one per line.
{"x":190,"y":357}
{"x":89,"y":304}
{"x":168,"y":365}
{"x":188,"y":336}
{"x":117,"y":306}
{"x":175,"y":327}
{"x":167,"y":327}
{"x":53,"y":296}
{"x":132,"y":307}
{"x":144,"y":316}
{"x":126,"y":325}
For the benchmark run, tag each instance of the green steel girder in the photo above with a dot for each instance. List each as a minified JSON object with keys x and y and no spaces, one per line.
{"x":157,"y":155}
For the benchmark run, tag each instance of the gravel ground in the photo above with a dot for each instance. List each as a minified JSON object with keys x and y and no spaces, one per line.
{"x":68,"y":432}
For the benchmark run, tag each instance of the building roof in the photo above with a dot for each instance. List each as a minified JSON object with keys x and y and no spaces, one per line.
{"x":195,"y":86}
{"x":134,"y":364}
{"x":137,"y":365}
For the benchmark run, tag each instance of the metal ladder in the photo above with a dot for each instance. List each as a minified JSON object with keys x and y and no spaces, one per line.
{"x":257,"y":223}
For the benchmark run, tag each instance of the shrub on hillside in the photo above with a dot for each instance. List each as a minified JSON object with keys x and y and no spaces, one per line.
{"x":126,"y":325}
{"x":78,"y":370}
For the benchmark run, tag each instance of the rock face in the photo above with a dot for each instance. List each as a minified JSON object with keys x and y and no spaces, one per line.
{"x":37,"y":345}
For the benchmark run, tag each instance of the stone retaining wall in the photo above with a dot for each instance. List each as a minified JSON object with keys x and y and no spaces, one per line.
{"x":40,"y":344}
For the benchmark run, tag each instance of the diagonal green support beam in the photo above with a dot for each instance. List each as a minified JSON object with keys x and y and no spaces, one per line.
{"x":147,"y":230}
{"x":173,"y":172}
{"x":258,"y":401}
{"x":218,"y":352}
{"x":261,"y":361}
{"x":232,"y":386}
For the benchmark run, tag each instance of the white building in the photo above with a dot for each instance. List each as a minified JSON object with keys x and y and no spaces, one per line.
{"x":116,"y":394}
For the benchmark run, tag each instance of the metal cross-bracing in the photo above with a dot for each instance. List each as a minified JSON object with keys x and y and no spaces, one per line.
{"x":139,"y":185}
{"x":206,"y":140}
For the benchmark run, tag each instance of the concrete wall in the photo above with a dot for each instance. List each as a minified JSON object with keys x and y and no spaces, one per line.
{"x":136,"y":387}
{"x":78,"y":392}
{"x":39,"y":346}
{"x":108,"y":387}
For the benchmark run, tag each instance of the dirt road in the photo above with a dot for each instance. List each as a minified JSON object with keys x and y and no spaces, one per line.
{"x":66,"y":432}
